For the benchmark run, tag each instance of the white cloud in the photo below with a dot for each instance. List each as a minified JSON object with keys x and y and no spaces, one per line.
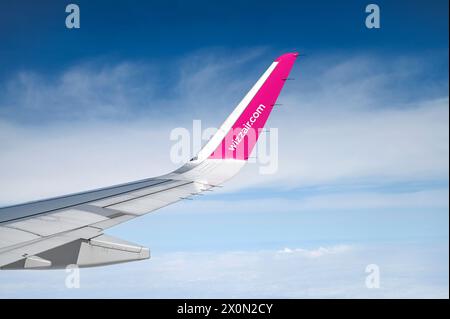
{"x":345,"y":146}
{"x":41,"y":162}
{"x":345,"y":121}
{"x":407,"y":271}
{"x":316,"y":253}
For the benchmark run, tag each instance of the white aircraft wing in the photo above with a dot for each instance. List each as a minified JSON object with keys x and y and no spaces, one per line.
{"x":66,"y":230}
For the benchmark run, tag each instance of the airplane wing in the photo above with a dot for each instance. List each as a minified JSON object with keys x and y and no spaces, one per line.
{"x":69,"y":230}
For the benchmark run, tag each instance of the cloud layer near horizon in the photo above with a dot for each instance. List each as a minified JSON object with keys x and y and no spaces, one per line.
{"x":339,"y":271}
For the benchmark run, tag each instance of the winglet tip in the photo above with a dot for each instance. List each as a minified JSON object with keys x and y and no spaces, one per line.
{"x":286,"y":56}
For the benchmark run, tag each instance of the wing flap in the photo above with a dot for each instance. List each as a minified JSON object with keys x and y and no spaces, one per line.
{"x":11,"y":237}
{"x":21,"y":252}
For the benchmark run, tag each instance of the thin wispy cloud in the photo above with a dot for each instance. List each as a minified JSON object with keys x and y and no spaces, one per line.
{"x":320,"y":200}
{"x":316,"y":253}
{"x":338,"y":123}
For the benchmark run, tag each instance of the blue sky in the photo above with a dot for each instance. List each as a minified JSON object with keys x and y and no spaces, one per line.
{"x":33,"y":36}
{"x":363,"y":142}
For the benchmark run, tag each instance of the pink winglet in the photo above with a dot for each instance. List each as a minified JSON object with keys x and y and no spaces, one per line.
{"x":242,"y":137}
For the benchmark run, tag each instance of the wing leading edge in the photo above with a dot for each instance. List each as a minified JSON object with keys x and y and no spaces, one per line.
{"x":67,"y":230}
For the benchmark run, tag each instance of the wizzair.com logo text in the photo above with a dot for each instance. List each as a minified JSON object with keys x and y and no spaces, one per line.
{"x":189,"y":141}
{"x":247,"y":127}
